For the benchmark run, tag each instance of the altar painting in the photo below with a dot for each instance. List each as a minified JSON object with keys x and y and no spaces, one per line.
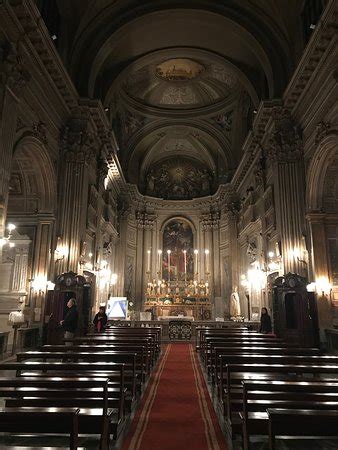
{"x":177,"y":237}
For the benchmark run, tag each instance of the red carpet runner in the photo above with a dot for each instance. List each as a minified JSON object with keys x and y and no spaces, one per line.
{"x":176,"y":412}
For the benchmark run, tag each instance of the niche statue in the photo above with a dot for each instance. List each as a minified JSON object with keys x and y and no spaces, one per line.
{"x":235,"y":307}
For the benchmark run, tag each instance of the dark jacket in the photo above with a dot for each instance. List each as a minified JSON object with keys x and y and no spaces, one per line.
{"x":266,"y":326}
{"x":104,"y":320}
{"x":70,"y":320}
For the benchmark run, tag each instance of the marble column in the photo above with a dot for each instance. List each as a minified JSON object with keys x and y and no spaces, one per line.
{"x":286,"y":158}
{"x":78,"y":149}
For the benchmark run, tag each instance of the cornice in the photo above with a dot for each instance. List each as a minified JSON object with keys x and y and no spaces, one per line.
{"x":314,"y":54}
{"x":252,"y":145}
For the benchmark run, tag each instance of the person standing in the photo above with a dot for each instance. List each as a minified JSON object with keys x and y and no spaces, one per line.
{"x":100,"y":319}
{"x":69,"y":323}
{"x":265,"y":326}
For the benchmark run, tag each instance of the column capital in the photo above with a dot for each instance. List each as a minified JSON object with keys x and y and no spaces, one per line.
{"x":285,"y":141}
{"x":77,"y":143}
{"x":145,"y":220}
{"x":210,"y":221}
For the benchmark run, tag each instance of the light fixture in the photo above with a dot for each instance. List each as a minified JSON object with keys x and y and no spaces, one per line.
{"x":50,"y":286}
{"x":61,"y":253}
{"x":168,"y":251}
{"x":206,"y":251}
{"x":271,"y":254}
{"x":39,"y":283}
{"x":54,"y":37}
{"x":90,"y":255}
{"x":196,"y":252}
{"x":113,"y":279}
{"x":311,"y":287}
{"x":312,"y":26}
{"x":11,"y":227}
{"x":323,"y":286}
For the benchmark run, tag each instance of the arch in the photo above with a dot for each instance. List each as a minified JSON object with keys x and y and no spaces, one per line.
{"x":316,"y":174}
{"x":33,"y":178}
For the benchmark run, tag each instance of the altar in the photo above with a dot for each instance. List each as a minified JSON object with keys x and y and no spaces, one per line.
{"x":175,"y":307}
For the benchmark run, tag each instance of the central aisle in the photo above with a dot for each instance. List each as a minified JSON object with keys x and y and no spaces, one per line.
{"x":176,"y":412}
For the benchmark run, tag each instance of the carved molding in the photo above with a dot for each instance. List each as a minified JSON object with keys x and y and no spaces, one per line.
{"x":13,"y":70}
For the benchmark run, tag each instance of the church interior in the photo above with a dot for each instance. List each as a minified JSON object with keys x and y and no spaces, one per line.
{"x":169,"y":224}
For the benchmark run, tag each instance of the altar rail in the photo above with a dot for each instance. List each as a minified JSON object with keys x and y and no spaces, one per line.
{"x":167,"y":334}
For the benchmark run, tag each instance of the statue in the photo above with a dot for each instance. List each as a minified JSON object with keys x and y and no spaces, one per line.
{"x":235,"y":307}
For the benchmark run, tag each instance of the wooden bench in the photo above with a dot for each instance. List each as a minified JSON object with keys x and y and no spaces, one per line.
{"x":139,"y":349}
{"x":258,"y":396}
{"x":107,"y":340}
{"x":217,"y":352}
{"x":133,"y":372}
{"x":300,"y":422}
{"x":101,"y":408}
{"x":34,"y":421}
{"x":236,"y":373}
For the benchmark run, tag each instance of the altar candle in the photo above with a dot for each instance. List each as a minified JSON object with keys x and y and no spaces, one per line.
{"x":206,"y":251}
{"x":148,"y":261}
{"x":185,"y":265}
{"x":168,"y":251}
{"x":196,"y":260}
{"x":159,"y":271}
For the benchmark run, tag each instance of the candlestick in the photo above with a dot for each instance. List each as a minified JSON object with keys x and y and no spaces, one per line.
{"x":206,"y":252}
{"x":148,"y":261}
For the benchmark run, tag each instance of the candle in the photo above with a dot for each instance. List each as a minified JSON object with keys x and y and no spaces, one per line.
{"x":196,"y":260}
{"x":185,"y":265}
{"x":169,"y":251}
{"x":159,"y":271}
{"x":206,"y":252}
{"x":148,"y":262}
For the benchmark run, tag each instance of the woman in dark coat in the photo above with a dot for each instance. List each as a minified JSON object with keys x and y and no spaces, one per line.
{"x":100,"y":320}
{"x":266,"y":326}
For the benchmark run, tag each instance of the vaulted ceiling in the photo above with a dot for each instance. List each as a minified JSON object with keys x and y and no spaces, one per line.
{"x":180,"y":79}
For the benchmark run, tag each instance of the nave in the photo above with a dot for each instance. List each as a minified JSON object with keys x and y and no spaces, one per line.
{"x":126,"y":389}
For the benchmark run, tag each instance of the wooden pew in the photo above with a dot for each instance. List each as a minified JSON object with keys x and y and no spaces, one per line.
{"x":300,"y":422}
{"x":107,"y":340}
{"x":139,"y":349}
{"x":236,"y":373}
{"x":258,"y":396}
{"x":210,"y":341}
{"x":101,"y":407}
{"x":133,"y":372}
{"x":216,"y":353}
{"x":41,"y":421}
{"x":257,"y":359}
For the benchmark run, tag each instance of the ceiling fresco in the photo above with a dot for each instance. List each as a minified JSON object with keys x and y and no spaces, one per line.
{"x":178,"y":179}
{"x":180,"y":83}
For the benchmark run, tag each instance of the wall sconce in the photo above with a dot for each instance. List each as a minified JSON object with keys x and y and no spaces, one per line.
{"x":61,"y":251}
{"x":39,"y":283}
{"x":321,"y":286}
{"x":5,"y":240}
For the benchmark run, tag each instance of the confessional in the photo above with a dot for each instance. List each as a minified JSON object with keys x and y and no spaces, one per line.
{"x":295,"y":313}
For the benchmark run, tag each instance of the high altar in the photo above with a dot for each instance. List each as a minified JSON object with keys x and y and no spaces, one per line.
{"x":178,"y":290}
